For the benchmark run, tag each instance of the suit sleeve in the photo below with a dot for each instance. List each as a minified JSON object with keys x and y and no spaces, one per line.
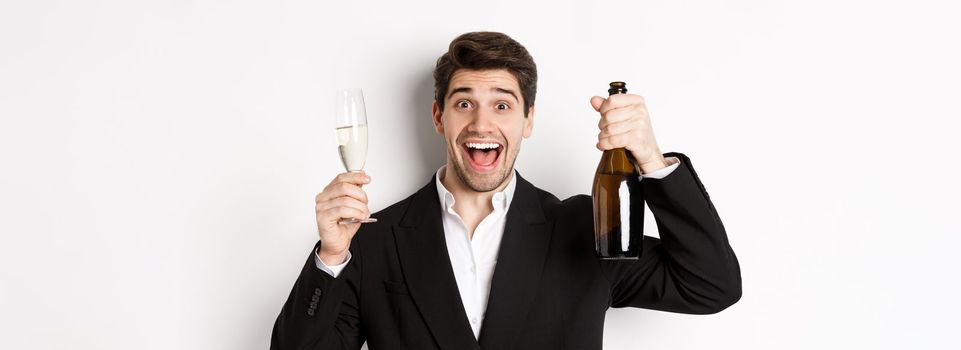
{"x":322,"y":312}
{"x":691,"y":268}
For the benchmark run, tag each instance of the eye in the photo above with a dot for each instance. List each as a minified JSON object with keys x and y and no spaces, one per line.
{"x":502,"y":106}
{"x":463,"y":104}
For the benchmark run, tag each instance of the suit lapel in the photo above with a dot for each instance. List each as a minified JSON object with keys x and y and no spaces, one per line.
{"x":520,"y":262}
{"x":425,"y":262}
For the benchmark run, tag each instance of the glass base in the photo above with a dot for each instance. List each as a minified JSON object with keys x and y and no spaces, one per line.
{"x":357,"y":221}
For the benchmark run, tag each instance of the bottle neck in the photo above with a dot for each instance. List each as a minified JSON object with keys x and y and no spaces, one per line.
{"x":616,"y":161}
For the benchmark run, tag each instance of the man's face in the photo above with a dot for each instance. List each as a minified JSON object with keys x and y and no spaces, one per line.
{"x":483,"y":123}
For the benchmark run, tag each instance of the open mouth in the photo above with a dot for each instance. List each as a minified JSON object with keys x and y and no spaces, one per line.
{"x":482,"y":156}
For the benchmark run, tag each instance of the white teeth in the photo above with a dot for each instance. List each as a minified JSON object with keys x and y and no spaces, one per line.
{"x":482,"y":145}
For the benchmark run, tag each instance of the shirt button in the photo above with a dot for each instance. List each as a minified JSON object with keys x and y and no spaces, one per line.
{"x":473,"y":269}
{"x":474,"y":320}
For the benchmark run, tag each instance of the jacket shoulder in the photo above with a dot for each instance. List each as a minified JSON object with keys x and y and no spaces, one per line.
{"x":391,"y":216}
{"x":568,"y":208}
{"x":394,"y":212}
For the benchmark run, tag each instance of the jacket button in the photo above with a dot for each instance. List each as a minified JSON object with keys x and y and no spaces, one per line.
{"x":317,"y":291}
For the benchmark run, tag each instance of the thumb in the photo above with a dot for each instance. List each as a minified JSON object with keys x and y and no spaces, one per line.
{"x":596,"y":102}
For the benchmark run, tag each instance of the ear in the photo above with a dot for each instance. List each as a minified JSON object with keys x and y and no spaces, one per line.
{"x":529,"y":123}
{"x":437,"y":116}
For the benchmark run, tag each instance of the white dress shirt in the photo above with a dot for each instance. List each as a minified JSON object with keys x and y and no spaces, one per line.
{"x":473,"y":257}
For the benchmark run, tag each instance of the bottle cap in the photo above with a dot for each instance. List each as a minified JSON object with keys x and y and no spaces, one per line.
{"x":617,"y":87}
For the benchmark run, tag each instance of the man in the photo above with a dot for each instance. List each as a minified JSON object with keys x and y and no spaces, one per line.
{"x":424,"y":276}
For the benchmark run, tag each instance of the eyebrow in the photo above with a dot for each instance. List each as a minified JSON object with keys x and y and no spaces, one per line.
{"x":469,"y":90}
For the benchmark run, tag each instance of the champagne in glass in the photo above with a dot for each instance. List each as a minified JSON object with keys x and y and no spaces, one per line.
{"x":352,"y":144}
{"x":351,"y":123}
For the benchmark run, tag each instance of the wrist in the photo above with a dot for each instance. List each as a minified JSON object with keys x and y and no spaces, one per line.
{"x":331,"y":259}
{"x":654,"y":164}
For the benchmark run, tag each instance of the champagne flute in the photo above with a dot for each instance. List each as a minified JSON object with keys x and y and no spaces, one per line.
{"x":351,"y":123}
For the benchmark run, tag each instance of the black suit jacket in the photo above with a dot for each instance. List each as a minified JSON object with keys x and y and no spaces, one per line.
{"x":549,"y":291}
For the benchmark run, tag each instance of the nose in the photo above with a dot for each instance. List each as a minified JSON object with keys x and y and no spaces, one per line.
{"x":482,"y":121}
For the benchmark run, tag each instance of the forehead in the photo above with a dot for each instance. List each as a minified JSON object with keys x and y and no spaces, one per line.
{"x":500,"y":78}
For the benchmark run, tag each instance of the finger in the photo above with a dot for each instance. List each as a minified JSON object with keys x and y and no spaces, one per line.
{"x":343,"y":202}
{"x":620,"y":101}
{"x":350,"y":190}
{"x":612,"y":142}
{"x":603,"y":145}
{"x":596,"y":102}
{"x":342,"y":189}
{"x":617,"y":129}
{"x":619,"y":115}
{"x":357,"y":178}
{"x":338,"y":213}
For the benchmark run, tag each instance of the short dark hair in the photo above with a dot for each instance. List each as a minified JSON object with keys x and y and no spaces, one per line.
{"x":486,"y":50}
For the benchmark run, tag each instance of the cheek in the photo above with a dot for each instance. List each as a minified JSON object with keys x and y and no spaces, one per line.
{"x":452,"y":132}
{"x":517,"y":131}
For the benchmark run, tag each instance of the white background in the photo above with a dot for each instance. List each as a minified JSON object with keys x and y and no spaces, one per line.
{"x":160,"y":158}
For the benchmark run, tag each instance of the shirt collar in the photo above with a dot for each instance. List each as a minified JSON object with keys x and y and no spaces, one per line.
{"x":501,"y":200}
